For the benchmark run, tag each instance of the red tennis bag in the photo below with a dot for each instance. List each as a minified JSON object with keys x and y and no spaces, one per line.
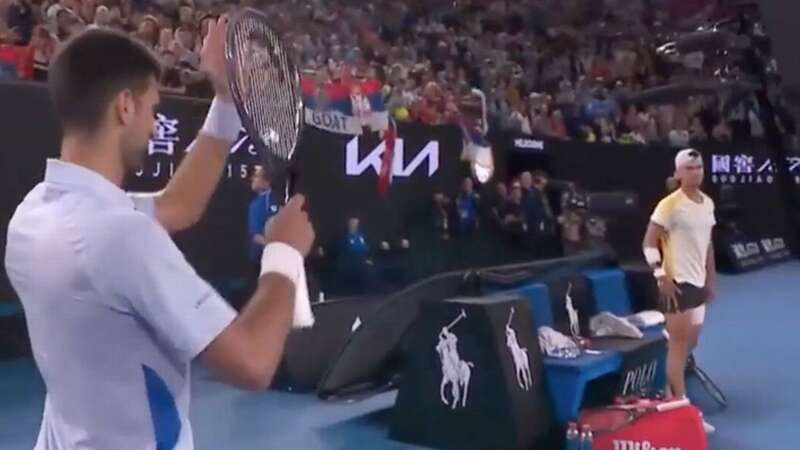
{"x":646,"y":429}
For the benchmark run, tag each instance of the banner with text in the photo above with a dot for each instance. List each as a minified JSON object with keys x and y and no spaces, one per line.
{"x":338,"y":174}
{"x":742,"y":178}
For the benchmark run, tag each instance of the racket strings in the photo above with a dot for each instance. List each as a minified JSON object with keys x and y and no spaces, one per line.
{"x":269,"y":84}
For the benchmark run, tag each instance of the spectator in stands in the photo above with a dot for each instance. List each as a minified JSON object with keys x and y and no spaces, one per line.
{"x":43,"y":46}
{"x":186,"y":12}
{"x":540,"y":75}
{"x":87,"y":11}
{"x":442,"y":216}
{"x":165,"y":40}
{"x":149,"y":32}
{"x":574,"y":214}
{"x":102,"y":17}
{"x":170,"y":75}
{"x":467,"y":205}
{"x":19,"y":20}
{"x":184,"y":47}
{"x":541,"y":217}
{"x":495,"y":203}
{"x":514,"y":217}
{"x":67,"y":24}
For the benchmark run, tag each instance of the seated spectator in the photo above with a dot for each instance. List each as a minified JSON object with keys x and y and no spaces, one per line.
{"x":553,"y":81}
{"x":186,"y":13}
{"x":184,"y":47}
{"x":67,"y":24}
{"x":87,"y":11}
{"x":171,"y":75}
{"x":513,"y":217}
{"x":19,"y":20}
{"x":574,"y":215}
{"x":148,"y":31}
{"x":10,"y":57}
{"x":102,"y":17}
{"x":497,"y":201}
{"x":44,"y":46}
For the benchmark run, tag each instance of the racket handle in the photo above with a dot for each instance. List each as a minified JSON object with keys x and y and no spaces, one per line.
{"x":669,"y":406}
{"x":291,"y":181}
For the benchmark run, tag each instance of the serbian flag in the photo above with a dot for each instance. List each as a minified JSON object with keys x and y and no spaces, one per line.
{"x":332,"y":96}
{"x":378,"y":119}
{"x":337,"y":93}
{"x":308,"y":91}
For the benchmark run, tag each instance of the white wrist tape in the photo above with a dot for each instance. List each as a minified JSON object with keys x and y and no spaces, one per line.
{"x":222,"y":121}
{"x":660,"y":272}
{"x":652,"y":256}
{"x":284,"y":260}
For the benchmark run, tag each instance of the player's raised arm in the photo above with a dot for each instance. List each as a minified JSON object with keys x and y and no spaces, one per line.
{"x":184,"y":200}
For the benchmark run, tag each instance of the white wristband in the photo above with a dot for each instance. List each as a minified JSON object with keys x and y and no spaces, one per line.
{"x":222,"y":121}
{"x":660,"y":273}
{"x":284,"y":260}
{"x":652,"y":256}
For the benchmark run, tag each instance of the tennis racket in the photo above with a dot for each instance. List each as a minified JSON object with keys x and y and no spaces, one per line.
{"x":265,"y":86}
{"x":615,"y":417}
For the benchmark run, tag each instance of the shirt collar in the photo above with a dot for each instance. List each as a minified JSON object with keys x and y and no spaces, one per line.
{"x":69,"y":174}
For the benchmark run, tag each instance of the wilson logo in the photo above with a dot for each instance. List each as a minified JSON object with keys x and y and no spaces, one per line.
{"x":644,"y":445}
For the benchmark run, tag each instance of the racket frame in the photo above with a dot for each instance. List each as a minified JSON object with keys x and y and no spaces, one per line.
{"x":232,"y":65}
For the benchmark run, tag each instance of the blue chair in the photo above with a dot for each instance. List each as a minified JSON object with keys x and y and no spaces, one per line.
{"x":566,"y":378}
{"x":610,"y":294}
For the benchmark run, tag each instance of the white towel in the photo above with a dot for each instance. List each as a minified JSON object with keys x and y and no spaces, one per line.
{"x":607,"y":324}
{"x":553,"y":343}
{"x":646,"y":319}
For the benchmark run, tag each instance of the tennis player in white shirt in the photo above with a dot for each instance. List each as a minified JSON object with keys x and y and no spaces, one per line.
{"x":116,"y":314}
{"x":678,"y":247}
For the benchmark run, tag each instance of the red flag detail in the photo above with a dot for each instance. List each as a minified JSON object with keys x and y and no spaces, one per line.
{"x":385,"y":177}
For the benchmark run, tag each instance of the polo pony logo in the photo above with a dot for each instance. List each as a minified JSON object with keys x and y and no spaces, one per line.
{"x":572,"y":313}
{"x":455,"y":371}
{"x":520,"y":355}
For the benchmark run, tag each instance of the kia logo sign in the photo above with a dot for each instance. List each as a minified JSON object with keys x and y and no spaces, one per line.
{"x":355,"y":165}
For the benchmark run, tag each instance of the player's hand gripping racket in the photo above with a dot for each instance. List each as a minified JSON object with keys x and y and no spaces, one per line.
{"x":265,"y":86}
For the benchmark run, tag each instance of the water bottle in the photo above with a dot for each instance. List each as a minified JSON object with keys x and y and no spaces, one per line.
{"x":586,"y":438}
{"x":573,"y":437}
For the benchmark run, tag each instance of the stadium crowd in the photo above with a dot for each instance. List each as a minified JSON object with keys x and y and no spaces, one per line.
{"x":540,"y":75}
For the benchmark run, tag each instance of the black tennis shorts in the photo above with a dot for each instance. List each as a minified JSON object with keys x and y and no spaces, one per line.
{"x":690,"y":297}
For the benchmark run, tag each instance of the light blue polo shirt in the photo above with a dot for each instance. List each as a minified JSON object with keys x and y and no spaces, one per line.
{"x":116,"y":314}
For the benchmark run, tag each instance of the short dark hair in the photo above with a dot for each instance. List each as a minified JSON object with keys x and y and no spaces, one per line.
{"x":91,"y":69}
